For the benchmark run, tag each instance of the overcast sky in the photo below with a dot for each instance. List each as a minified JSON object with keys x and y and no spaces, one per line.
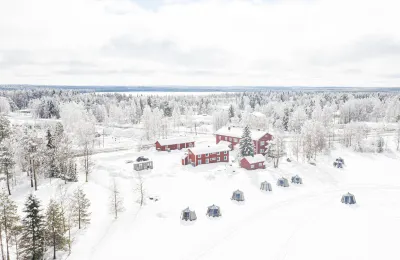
{"x":200,"y":42}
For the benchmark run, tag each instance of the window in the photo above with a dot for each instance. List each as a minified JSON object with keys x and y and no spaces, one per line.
{"x":218,"y":159}
{"x":261,"y":150}
{"x":225,"y":158}
{"x":262,"y":143}
{"x":230,"y":139}
{"x":218,"y":153}
{"x":207,"y":161}
{"x":198,"y":162}
{"x":235,"y":140}
{"x":199,"y":156}
{"x":206,"y":154}
{"x":252,"y":166}
{"x":226,"y":152}
{"x":260,"y":164}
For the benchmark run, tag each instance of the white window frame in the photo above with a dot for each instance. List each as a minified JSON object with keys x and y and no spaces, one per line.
{"x":218,"y":159}
{"x":235,"y":140}
{"x":225,"y":158}
{"x":218,"y":153}
{"x":262,"y":143}
{"x":207,"y":154}
{"x":226,"y":152}
{"x":207,"y":161}
{"x":198,"y":162}
{"x":230,"y":138}
{"x":261,"y":150}
{"x":252,"y":166}
{"x":199,"y":156}
{"x":260,"y":164}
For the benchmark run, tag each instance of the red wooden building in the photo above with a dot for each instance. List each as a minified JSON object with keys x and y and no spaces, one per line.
{"x":253,"y":162}
{"x":205,"y":155}
{"x":174,"y":143}
{"x":234,"y":134}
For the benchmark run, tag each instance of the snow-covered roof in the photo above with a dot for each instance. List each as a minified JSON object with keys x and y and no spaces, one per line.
{"x":255,"y":159}
{"x":179,"y":140}
{"x":257,"y":114}
{"x":149,"y":160}
{"x":238,"y":131}
{"x":224,"y":143}
{"x":209,"y":149}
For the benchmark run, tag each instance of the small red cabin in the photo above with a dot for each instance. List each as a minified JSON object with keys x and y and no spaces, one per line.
{"x":205,"y":155}
{"x":234,"y":134}
{"x":253,"y":162}
{"x":174,"y":144}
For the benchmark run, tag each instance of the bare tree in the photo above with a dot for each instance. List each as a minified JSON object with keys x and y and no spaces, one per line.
{"x":140,"y":189}
{"x":276,"y":150}
{"x":87,"y":162}
{"x":116,"y":200}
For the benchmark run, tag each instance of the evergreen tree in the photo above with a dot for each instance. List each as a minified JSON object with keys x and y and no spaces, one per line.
{"x":80,"y":205}
{"x":9,"y":220}
{"x":6,"y":165}
{"x":5,"y":128}
{"x":50,"y":141}
{"x":246,"y":145}
{"x":54,"y":227}
{"x":285,"y":119}
{"x":32,"y":239}
{"x":231,"y":111}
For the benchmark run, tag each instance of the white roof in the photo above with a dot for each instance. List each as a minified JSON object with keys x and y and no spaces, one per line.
{"x":255,"y":159}
{"x":142,"y":161}
{"x":238,"y":131}
{"x":209,"y":149}
{"x":257,"y":114}
{"x":179,"y":140}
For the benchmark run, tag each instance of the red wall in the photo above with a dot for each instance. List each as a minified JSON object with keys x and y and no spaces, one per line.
{"x":257,"y":144}
{"x":245,"y":164}
{"x":173,"y":146}
{"x":212,"y":157}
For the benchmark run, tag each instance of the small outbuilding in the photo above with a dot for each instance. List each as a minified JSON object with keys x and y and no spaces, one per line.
{"x":214,"y":211}
{"x":238,"y":195}
{"x":348,"y":198}
{"x":188,"y":215}
{"x":142,"y":163}
{"x":253,"y":162}
{"x":266,"y":186}
{"x":297,"y":180}
{"x":283,"y":182}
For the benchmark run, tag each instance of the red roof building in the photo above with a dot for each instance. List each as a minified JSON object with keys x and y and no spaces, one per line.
{"x":205,"y":155}
{"x":253,"y":162}
{"x":234,"y":134}
{"x":174,"y":143}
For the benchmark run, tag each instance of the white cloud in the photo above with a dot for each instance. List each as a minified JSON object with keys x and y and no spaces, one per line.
{"x":200,"y":42}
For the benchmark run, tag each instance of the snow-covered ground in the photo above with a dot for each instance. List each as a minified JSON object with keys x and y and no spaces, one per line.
{"x":299,"y":222}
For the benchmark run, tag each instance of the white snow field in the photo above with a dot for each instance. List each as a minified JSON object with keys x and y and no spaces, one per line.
{"x":299,"y":222}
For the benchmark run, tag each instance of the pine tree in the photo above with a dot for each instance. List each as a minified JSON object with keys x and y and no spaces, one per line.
{"x":5,"y":128}
{"x":32,"y":239}
{"x":50,"y":140}
{"x":231,"y":111}
{"x":54,"y":227}
{"x":80,"y":205}
{"x":285,"y":119}
{"x":6,"y":165}
{"x":9,"y":220}
{"x":246,"y":145}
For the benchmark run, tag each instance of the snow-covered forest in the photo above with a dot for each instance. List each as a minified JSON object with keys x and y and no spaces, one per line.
{"x":55,"y":144}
